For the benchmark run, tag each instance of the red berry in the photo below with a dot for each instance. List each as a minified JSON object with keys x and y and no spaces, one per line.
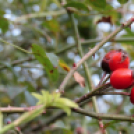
{"x":121,"y":78}
{"x":106,"y":59}
{"x":115,"y":59}
{"x":119,"y":60}
{"x":132,"y":95}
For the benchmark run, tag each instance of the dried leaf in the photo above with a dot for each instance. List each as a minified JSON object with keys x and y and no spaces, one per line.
{"x":78,"y":78}
{"x":105,"y":19}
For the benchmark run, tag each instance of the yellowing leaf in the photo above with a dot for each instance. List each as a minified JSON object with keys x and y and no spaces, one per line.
{"x":78,"y":78}
{"x":64,"y":66}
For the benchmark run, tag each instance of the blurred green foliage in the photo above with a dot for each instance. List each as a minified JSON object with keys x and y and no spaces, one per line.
{"x":52,"y":32}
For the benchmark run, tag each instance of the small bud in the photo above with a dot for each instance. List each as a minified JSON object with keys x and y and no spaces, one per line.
{"x":8,"y":122}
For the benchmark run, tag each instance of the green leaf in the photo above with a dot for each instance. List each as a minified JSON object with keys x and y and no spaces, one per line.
{"x":62,"y":106}
{"x":44,"y":99}
{"x":4,"y":24}
{"x":47,"y":99}
{"x":53,"y":58}
{"x":56,"y":96}
{"x":97,"y":3}
{"x":122,"y":1}
{"x":41,"y":56}
{"x":77,"y":5}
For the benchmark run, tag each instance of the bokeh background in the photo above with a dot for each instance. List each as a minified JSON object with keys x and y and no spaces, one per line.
{"x":46,"y":23}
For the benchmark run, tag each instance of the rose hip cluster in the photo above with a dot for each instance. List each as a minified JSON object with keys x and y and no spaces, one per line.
{"x":116,"y":63}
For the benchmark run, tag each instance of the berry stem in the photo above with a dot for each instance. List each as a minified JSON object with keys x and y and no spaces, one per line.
{"x":103,"y":77}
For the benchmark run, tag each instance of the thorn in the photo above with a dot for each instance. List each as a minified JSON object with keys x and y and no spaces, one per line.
{"x":122,"y":25}
{"x":82,"y":39}
{"x":9,"y":106}
{"x":93,"y":56}
{"x":62,"y":91}
{"x":18,"y":128}
{"x":63,"y":3}
{"x":74,"y":65}
{"x":132,"y":19}
{"x":130,"y":26}
{"x":8,"y":122}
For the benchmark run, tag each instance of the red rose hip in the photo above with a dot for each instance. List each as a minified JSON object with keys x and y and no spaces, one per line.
{"x":121,"y":78}
{"x":132,"y":96}
{"x":115,"y":59}
{"x":105,"y":61}
{"x":120,"y":59}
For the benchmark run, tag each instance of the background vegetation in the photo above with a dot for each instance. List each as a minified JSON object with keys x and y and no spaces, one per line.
{"x":54,"y":26}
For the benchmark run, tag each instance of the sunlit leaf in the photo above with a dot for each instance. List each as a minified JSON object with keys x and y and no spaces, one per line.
{"x":55,"y":100}
{"x":62,"y":106}
{"x":47,"y":98}
{"x":68,"y":102}
{"x":56,"y":95}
